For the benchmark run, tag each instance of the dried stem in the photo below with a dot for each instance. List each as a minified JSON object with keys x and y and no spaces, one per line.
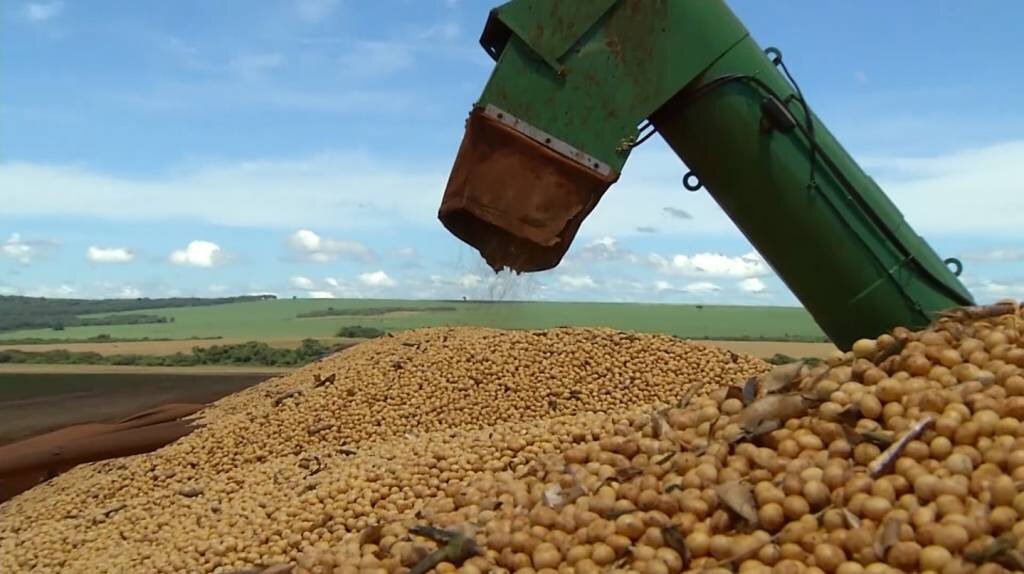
{"x":884,"y":460}
{"x":457,"y":548}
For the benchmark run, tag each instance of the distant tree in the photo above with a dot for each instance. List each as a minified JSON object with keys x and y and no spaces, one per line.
{"x":17,"y":312}
{"x":360,"y":332}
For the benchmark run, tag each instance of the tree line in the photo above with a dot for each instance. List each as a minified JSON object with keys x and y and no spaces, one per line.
{"x":18,"y":313}
{"x":249,"y":353}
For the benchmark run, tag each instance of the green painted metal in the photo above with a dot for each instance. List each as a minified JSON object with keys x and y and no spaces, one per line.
{"x":841,"y":246}
{"x":548,"y":28}
{"x":589,"y":76}
{"x":622,"y":67}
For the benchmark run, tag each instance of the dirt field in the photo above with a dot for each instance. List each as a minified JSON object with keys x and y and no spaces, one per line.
{"x":39,"y":398}
{"x":159,"y":347}
{"x":37,"y":402}
{"x":755,"y":348}
{"x":33,"y":369}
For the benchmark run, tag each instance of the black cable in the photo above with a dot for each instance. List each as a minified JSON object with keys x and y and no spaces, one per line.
{"x":645,"y":137}
{"x":817,"y":151}
{"x":778,"y":61}
{"x":647,"y":125}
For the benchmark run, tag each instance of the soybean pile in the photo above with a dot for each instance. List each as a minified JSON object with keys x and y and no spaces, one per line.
{"x":393,"y":429}
{"x":904,"y":455}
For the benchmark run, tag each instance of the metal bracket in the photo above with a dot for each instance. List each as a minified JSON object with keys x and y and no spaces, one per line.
{"x":544,"y":138}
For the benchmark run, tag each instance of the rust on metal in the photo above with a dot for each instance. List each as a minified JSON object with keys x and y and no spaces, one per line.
{"x":518,"y":202}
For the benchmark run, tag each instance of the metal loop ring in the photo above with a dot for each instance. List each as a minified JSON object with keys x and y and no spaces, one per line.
{"x":774,"y":54}
{"x":958,"y":267}
{"x":692,"y":182}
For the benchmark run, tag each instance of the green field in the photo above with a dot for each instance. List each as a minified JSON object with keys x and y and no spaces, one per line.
{"x":277,"y":319}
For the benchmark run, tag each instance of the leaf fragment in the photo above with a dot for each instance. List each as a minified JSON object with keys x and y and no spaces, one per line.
{"x":190,"y":491}
{"x":780,"y":379}
{"x":739,"y":498}
{"x":734,"y":392}
{"x":994,"y":551}
{"x":319,"y":382}
{"x":852,"y":520}
{"x":371,"y":535}
{"x":771,"y":413}
{"x":888,"y":536}
{"x":628,"y":473}
{"x":285,"y":396}
{"x":749,"y":391}
{"x":674,"y":540}
{"x":658,"y":425}
{"x":556,"y":497}
{"x":877,"y":438}
{"x":891,"y":351}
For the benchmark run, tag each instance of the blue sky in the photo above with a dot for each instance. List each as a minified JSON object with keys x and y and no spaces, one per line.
{"x":300,"y":147}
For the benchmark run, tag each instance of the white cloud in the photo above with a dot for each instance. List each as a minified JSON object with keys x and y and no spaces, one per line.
{"x":109,"y":254}
{"x":996,"y":255}
{"x":576,"y":281}
{"x":695,"y":288}
{"x":375,"y":58}
{"x":702,"y":287}
{"x":43,"y":11}
{"x":300,"y":194}
{"x":603,"y":248}
{"x":992,"y":289}
{"x":18,"y":249}
{"x":652,"y":177}
{"x":447,"y":31}
{"x":300,"y":282}
{"x":712,"y":265}
{"x":469,"y":280}
{"x":329,"y":288}
{"x":314,"y":11}
{"x":377,"y":279}
{"x":199,"y":254}
{"x":975,"y":190}
{"x":309,"y":245}
{"x":476,"y":285}
{"x":63,"y":291}
{"x":938,"y":195}
{"x":752,"y":285}
{"x":129,"y":292}
{"x":407,"y":252}
{"x":342,"y":288}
